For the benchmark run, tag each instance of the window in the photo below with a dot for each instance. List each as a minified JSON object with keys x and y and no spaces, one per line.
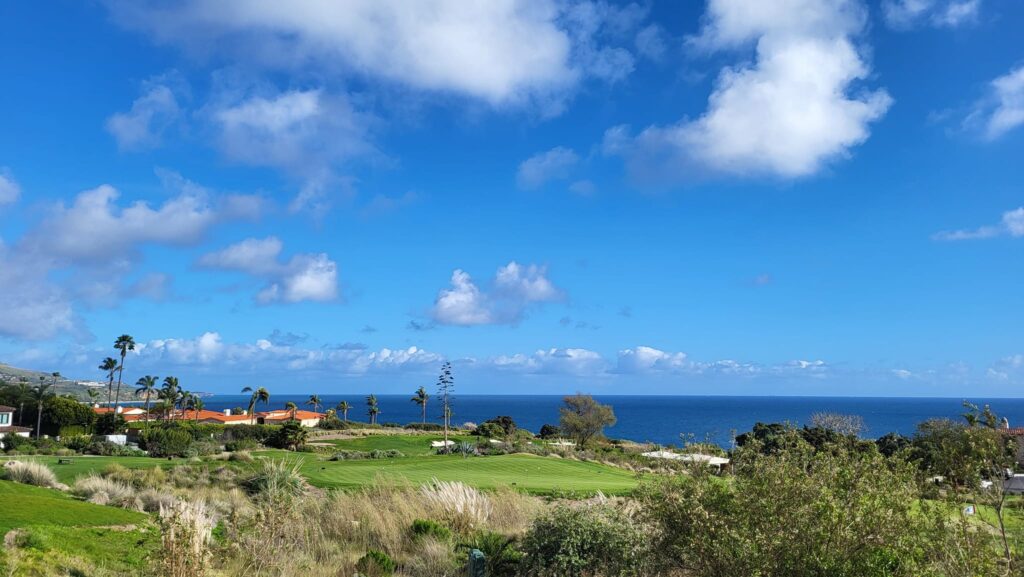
{"x":5,"y":418}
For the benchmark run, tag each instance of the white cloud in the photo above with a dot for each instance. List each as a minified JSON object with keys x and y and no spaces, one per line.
{"x":647,"y":359}
{"x":515,"y":289}
{"x":906,"y":14}
{"x":1012,"y":224}
{"x":1003,"y":109}
{"x":209,"y":351}
{"x":579,"y":362}
{"x":150,"y":116}
{"x":9,"y":189}
{"x":802,"y":89}
{"x":1008,"y":369}
{"x":539,"y":169}
{"x":304,"y":277}
{"x":31,"y":306}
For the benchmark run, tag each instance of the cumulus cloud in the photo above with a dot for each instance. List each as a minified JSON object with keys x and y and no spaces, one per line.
{"x":502,"y":52}
{"x":1012,"y":224}
{"x":304,"y":277}
{"x":31,"y":305}
{"x":579,"y":362}
{"x":265,"y":355}
{"x":9,"y":189}
{"x":150,"y":115}
{"x":539,"y":169}
{"x":1003,"y":108}
{"x":647,"y":359}
{"x":514,"y":290}
{"x":906,"y":14}
{"x":802,"y":89}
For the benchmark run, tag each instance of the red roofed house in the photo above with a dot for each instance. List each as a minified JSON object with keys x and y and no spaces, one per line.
{"x":214,"y":417}
{"x":306,"y":418}
{"x":1017,"y":433}
{"x":130,"y":414}
{"x":7,"y":426}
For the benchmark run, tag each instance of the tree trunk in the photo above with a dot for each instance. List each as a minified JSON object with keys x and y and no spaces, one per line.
{"x":120,"y":371}
{"x":39,"y":419}
{"x":424,"y":412}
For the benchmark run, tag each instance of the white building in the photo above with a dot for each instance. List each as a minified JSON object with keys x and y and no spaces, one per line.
{"x":7,"y":426}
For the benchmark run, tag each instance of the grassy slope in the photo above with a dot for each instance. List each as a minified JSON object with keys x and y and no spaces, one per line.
{"x":72,"y":534}
{"x":529,"y":473}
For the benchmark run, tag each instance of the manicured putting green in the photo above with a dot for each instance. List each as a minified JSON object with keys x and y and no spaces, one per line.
{"x":530,"y":473}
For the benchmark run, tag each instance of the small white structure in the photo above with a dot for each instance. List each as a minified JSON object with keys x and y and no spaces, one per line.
{"x":116,"y":439}
{"x":562,"y":443}
{"x":7,"y":426}
{"x":439,"y":444}
{"x":710,"y":460}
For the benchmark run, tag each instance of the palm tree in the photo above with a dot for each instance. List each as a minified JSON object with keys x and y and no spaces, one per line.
{"x":169,"y":393}
{"x":314,"y":400}
{"x":124,"y":343}
{"x":372,"y":409}
{"x":22,"y":391}
{"x":184,"y":401}
{"x":39,"y":395}
{"x":146,"y":386}
{"x":260,"y":395}
{"x":109,"y":366}
{"x":55,"y":375}
{"x":196,"y":404}
{"x":93,"y":395}
{"x":344,"y":407}
{"x":291,"y":408}
{"x":421,"y":400}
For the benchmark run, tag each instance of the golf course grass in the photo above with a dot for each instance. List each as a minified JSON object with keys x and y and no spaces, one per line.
{"x":83,"y":538}
{"x":81,"y":465}
{"x":409,"y":445}
{"x":529,"y":473}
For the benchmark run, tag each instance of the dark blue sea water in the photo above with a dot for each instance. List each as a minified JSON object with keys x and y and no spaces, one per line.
{"x":661,"y":419}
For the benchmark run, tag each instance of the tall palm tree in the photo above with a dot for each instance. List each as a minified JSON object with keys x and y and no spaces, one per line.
{"x":39,"y":394}
{"x":196,"y":404}
{"x":146,"y":386}
{"x":124,"y":343}
{"x":344,"y":407}
{"x":260,"y":395}
{"x":372,"y":409}
{"x":291,"y":408}
{"x":421,"y":400}
{"x":109,"y":366}
{"x":169,"y":393}
{"x":314,"y":401}
{"x":93,"y":395}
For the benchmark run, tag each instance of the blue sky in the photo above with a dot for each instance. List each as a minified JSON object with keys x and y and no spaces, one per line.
{"x":811,"y":197}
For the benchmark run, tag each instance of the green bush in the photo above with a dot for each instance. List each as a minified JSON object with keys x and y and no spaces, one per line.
{"x":374,"y":454}
{"x":424,"y":427}
{"x":584,"y":541}
{"x":166,"y":442}
{"x":430,"y":528}
{"x":376,"y":564}
{"x":15,"y":443}
{"x":110,"y":424}
{"x":63,"y":412}
{"x":241,"y":445}
{"x":108,"y":449}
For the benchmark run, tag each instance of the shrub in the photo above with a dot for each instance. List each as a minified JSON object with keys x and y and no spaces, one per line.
{"x":276,"y":479}
{"x":577,"y":541}
{"x":501,"y":558}
{"x":241,"y":456}
{"x":30,"y":473}
{"x":391,"y":425}
{"x":424,"y":427}
{"x":103,"y":491}
{"x":256,"y":433}
{"x":14,"y":442}
{"x":166,"y":442}
{"x":108,"y":449}
{"x":77,"y":443}
{"x":464,"y":507}
{"x":61,"y":413}
{"x":376,"y":564}
{"x":187,"y":530}
{"x":430,"y":528}
{"x":291,"y":435}
{"x":241,"y":445}
{"x":110,"y":424}
{"x":550,"y":432}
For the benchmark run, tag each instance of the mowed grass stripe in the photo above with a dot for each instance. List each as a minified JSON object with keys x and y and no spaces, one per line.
{"x":27,"y":506}
{"x":529,"y":473}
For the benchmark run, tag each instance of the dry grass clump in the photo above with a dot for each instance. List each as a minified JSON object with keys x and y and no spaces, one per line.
{"x":104,"y":491}
{"x":187,"y":530}
{"x":240,"y":456}
{"x":462,"y":506}
{"x":31,"y":473}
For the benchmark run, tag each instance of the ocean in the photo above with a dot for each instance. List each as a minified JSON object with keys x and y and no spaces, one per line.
{"x":660,"y":419}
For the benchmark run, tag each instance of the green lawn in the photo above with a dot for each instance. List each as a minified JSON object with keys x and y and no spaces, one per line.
{"x":410,"y":445}
{"x":83,"y":464}
{"x":74,"y":536}
{"x":530,"y":473}
{"x":25,"y":505}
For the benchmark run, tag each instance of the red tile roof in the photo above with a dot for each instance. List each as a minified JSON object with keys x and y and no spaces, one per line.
{"x":14,"y":429}
{"x":6,"y":409}
{"x":1014,"y":432}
